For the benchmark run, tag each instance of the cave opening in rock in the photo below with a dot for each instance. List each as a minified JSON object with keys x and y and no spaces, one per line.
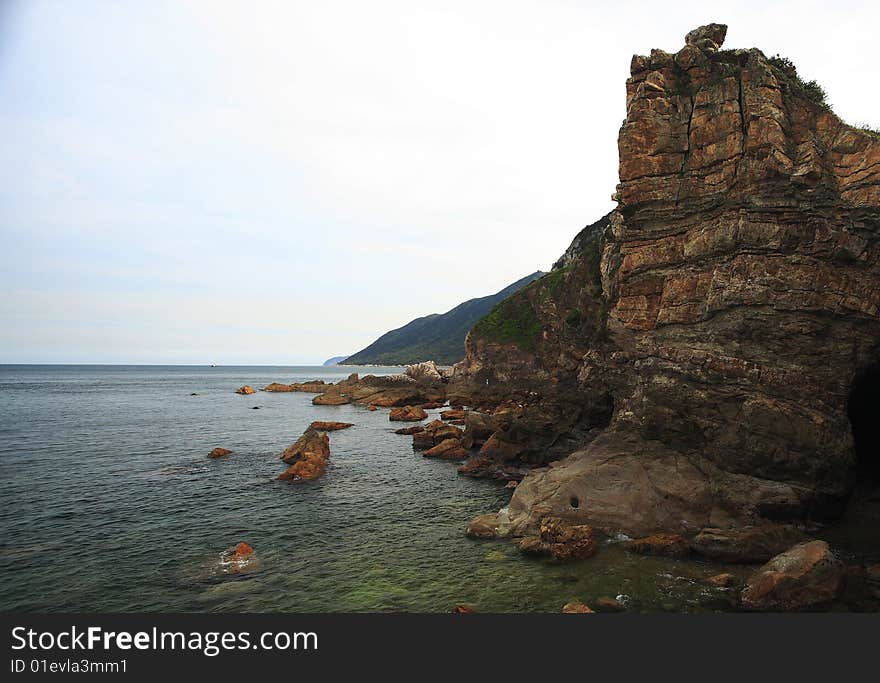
{"x":574,"y":502}
{"x":863,"y":409}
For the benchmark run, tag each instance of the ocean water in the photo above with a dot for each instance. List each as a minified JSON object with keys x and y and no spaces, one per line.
{"x":109,"y":503}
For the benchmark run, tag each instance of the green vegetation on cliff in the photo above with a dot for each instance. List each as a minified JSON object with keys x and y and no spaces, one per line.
{"x":437,"y":337}
{"x":513,"y":321}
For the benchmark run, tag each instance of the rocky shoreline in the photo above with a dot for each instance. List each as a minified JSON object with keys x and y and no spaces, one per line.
{"x":700,"y":371}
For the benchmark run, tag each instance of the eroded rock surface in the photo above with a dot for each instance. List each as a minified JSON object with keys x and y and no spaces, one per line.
{"x":691,"y":355}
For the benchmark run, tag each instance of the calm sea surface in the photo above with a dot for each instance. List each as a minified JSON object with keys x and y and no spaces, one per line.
{"x":109,"y":503}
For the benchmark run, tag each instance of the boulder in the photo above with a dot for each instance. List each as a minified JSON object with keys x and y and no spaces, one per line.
{"x":803,"y":576}
{"x":606,"y":604}
{"x":424,"y":372}
{"x":219,"y":452}
{"x":453,"y":414}
{"x":561,"y":539}
{"x":307,"y":457}
{"x":407,"y":414}
{"x":716,"y":33}
{"x":748,"y":544}
{"x":372,"y":408}
{"x":322,"y":426}
{"x":331,"y":400}
{"x":435,"y":432}
{"x":448,"y":449}
{"x":664,"y":545}
{"x":432,"y":405}
{"x":245,"y":390}
{"x":463,"y":609}
{"x":483,"y":526}
{"x":576,"y":607}
{"x":499,"y":450}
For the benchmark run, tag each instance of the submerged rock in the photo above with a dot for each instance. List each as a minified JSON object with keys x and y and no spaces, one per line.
{"x":804,"y":576}
{"x":483,"y":526}
{"x":720,"y":580}
{"x":749,"y":544}
{"x":245,"y":390}
{"x":665,"y":545}
{"x":238,"y":559}
{"x":219,"y":452}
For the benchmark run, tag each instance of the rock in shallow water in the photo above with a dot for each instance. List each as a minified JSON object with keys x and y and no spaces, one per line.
{"x":804,"y":576}
{"x":407,"y":414}
{"x":245,"y":390}
{"x":219,"y":452}
{"x":322,"y":426}
{"x":307,"y":457}
{"x":561,"y":539}
{"x":749,"y":544}
{"x":665,"y":545}
{"x":576,"y":607}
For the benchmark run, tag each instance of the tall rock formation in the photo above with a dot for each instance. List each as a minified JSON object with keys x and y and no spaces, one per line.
{"x":710,"y":332}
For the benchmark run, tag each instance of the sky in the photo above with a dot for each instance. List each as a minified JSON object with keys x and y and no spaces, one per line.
{"x":282,"y":182}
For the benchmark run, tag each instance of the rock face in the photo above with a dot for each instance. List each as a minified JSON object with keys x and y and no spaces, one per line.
{"x":804,"y":576}
{"x":307,"y":458}
{"x":694,"y":354}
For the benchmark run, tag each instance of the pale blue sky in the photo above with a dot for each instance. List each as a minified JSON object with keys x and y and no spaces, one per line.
{"x":280,"y":182}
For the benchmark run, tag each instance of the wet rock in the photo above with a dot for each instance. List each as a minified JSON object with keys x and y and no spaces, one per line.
{"x":255,"y":407}
{"x":322,"y":426}
{"x":804,"y":576}
{"x":194,"y":394}
{"x":576,"y":607}
{"x":720,"y":580}
{"x":307,"y":457}
{"x":276,"y":387}
{"x":409,"y":431}
{"x":606,"y":604}
{"x":331,"y":400}
{"x":432,"y":405}
{"x":219,"y":452}
{"x":483,"y":526}
{"x":245,"y":390}
{"x":463,"y":609}
{"x":448,"y":449}
{"x":512,"y":484}
{"x":750,"y":544}
{"x":372,"y":408}
{"x":239,"y":559}
{"x":561,"y":540}
{"x":434,"y":433}
{"x":407,"y":414}
{"x":453,"y":414}
{"x":664,"y":545}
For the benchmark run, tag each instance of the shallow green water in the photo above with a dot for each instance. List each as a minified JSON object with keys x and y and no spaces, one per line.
{"x":109,"y":504}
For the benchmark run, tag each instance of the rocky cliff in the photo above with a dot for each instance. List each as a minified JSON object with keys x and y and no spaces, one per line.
{"x":698,"y":349}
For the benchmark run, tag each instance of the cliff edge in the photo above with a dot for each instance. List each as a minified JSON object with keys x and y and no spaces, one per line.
{"x":702,"y":356}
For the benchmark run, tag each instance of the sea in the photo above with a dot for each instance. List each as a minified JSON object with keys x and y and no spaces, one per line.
{"x":109,"y":503}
